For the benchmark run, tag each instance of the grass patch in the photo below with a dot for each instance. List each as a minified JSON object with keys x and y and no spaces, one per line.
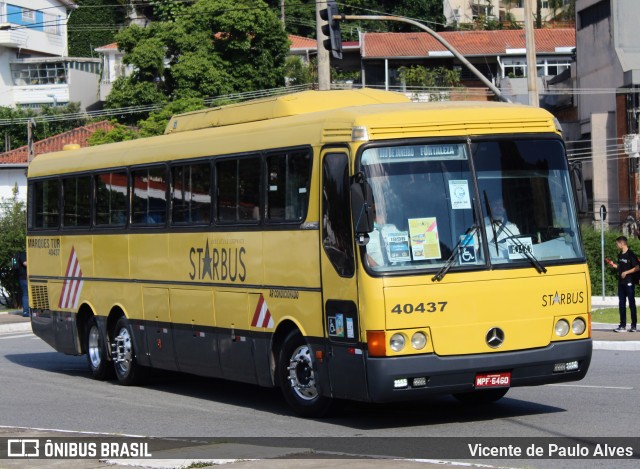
{"x":608,"y":315}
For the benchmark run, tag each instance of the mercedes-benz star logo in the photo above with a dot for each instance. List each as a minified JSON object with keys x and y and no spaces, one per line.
{"x":495,"y":337}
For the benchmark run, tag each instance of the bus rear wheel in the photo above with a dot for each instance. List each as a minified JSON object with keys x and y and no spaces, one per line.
{"x":128,"y":371}
{"x":486,"y":396}
{"x":97,"y":358}
{"x":298,"y":380}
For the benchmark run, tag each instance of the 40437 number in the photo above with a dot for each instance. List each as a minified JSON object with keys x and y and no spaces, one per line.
{"x":409,"y":308}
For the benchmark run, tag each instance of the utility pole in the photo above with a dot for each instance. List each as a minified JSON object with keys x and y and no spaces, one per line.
{"x":532,"y":68}
{"x":324,"y":69}
{"x":282,"y":12}
{"x":31,"y":124}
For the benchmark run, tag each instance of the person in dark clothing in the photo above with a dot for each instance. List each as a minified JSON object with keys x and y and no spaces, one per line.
{"x":627,"y":266}
{"x":24,"y":286}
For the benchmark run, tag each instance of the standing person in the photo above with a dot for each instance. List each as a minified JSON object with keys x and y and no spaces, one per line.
{"x":627,"y":265}
{"x":24,"y":286}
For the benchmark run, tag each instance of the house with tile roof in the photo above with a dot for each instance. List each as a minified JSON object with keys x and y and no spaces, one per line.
{"x":497,"y":54}
{"x":14,"y":163}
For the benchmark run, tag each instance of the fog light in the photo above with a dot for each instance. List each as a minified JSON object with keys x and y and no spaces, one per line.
{"x":562,"y":328}
{"x":559,"y":367}
{"x":572,"y":366}
{"x":397,"y":342}
{"x":579,"y":326}
{"x":419,"y":382}
{"x":400,"y":383}
{"x":419,"y":340}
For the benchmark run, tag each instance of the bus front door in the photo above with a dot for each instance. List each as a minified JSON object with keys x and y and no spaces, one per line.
{"x":345,"y":360}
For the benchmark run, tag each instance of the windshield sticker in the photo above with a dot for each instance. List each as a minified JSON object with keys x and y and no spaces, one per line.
{"x":517,"y":249}
{"x":396,"y":243}
{"x":467,"y":254}
{"x":424,"y":238}
{"x":459,"y":194}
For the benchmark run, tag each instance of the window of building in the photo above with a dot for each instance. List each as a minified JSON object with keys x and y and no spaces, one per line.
{"x":52,"y":24}
{"x":289,"y":176}
{"x":515,"y":68}
{"x":594,"y":14}
{"x":149,"y":196}
{"x":45,"y":197}
{"x":238,"y":185}
{"x":49,"y":73}
{"x":191,"y":193}
{"x":28,"y":16}
{"x":111,"y":198}
{"x":76,"y":197}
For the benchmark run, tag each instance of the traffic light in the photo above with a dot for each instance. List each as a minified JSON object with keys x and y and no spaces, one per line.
{"x":332,"y":30}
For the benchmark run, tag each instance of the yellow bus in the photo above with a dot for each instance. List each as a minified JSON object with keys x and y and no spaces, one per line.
{"x":338,"y":244}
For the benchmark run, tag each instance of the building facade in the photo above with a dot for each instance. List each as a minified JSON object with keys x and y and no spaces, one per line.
{"x":461,"y":12}
{"x":35,"y":69}
{"x":608,"y":78}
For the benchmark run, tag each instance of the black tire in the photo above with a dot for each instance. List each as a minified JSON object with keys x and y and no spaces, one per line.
{"x":97,"y":357}
{"x":128,"y":371}
{"x":486,"y":396}
{"x":300,"y":384}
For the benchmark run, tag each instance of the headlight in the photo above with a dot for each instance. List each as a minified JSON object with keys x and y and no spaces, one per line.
{"x":419,"y":340}
{"x":562,"y":328}
{"x":578,"y":326}
{"x":397,"y":342}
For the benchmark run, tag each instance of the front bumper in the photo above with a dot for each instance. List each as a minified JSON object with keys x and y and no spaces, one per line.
{"x":456,"y":374}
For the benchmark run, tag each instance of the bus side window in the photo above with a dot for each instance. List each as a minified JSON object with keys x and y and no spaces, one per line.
{"x":337,"y":239}
{"x":288,"y":186}
{"x":46,"y":204}
{"x":76,"y":201}
{"x":238,"y":186}
{"x":111,"y":198}
{"x":191,"y":194}
{"x":149,"y":200}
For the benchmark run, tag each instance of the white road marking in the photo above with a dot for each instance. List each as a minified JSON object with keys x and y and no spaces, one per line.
{"x":9,"y":336}
{"x":624,"y":388}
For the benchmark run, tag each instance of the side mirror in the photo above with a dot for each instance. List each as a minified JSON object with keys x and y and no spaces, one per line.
{"x":361,"y":206}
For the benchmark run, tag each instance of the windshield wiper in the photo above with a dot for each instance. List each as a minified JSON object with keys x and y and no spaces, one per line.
{"x":524,"y":249}
{"x":464,"y":240}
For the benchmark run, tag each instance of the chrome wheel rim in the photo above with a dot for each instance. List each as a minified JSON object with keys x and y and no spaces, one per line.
{"x":95,"y":349}
{"x":125,"y":364}
{"x":301,"y":376}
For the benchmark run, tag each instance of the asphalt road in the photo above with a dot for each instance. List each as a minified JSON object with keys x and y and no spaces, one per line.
{"x":42,"y":389}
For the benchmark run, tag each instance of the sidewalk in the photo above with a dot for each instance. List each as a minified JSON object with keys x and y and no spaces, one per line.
{"x":602,"y":333}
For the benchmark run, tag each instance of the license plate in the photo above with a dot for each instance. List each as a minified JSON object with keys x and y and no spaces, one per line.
{"x":493,"y":380}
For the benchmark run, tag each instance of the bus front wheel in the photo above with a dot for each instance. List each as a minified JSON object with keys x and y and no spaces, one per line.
{"x":298,"y":380}
{"x":97,"y":352}
{"x":128,"y":371}
{"x":485,"y":396}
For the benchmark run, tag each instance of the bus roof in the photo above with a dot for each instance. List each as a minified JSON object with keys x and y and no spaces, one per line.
{"x":280,"y":106}
{"x":307,"y":118}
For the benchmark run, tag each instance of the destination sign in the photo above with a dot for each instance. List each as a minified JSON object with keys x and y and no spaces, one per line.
{"x":450,"y":151}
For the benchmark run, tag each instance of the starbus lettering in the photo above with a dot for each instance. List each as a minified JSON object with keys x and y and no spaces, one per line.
{"x":562,"y":298}
{"x":217,"y":263}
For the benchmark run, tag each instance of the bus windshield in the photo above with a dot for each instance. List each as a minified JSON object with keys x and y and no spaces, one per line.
{"x":428,"y":213}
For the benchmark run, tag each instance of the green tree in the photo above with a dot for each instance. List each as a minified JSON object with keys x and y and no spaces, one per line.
{"x":13,"y":225}
{"x":297,"y":71}
{"x":157,"y":121}
{"x":94,"y":24}
{"x":119,"y":133}
{"x":16,"y":134}
{"x":213,"y":47}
